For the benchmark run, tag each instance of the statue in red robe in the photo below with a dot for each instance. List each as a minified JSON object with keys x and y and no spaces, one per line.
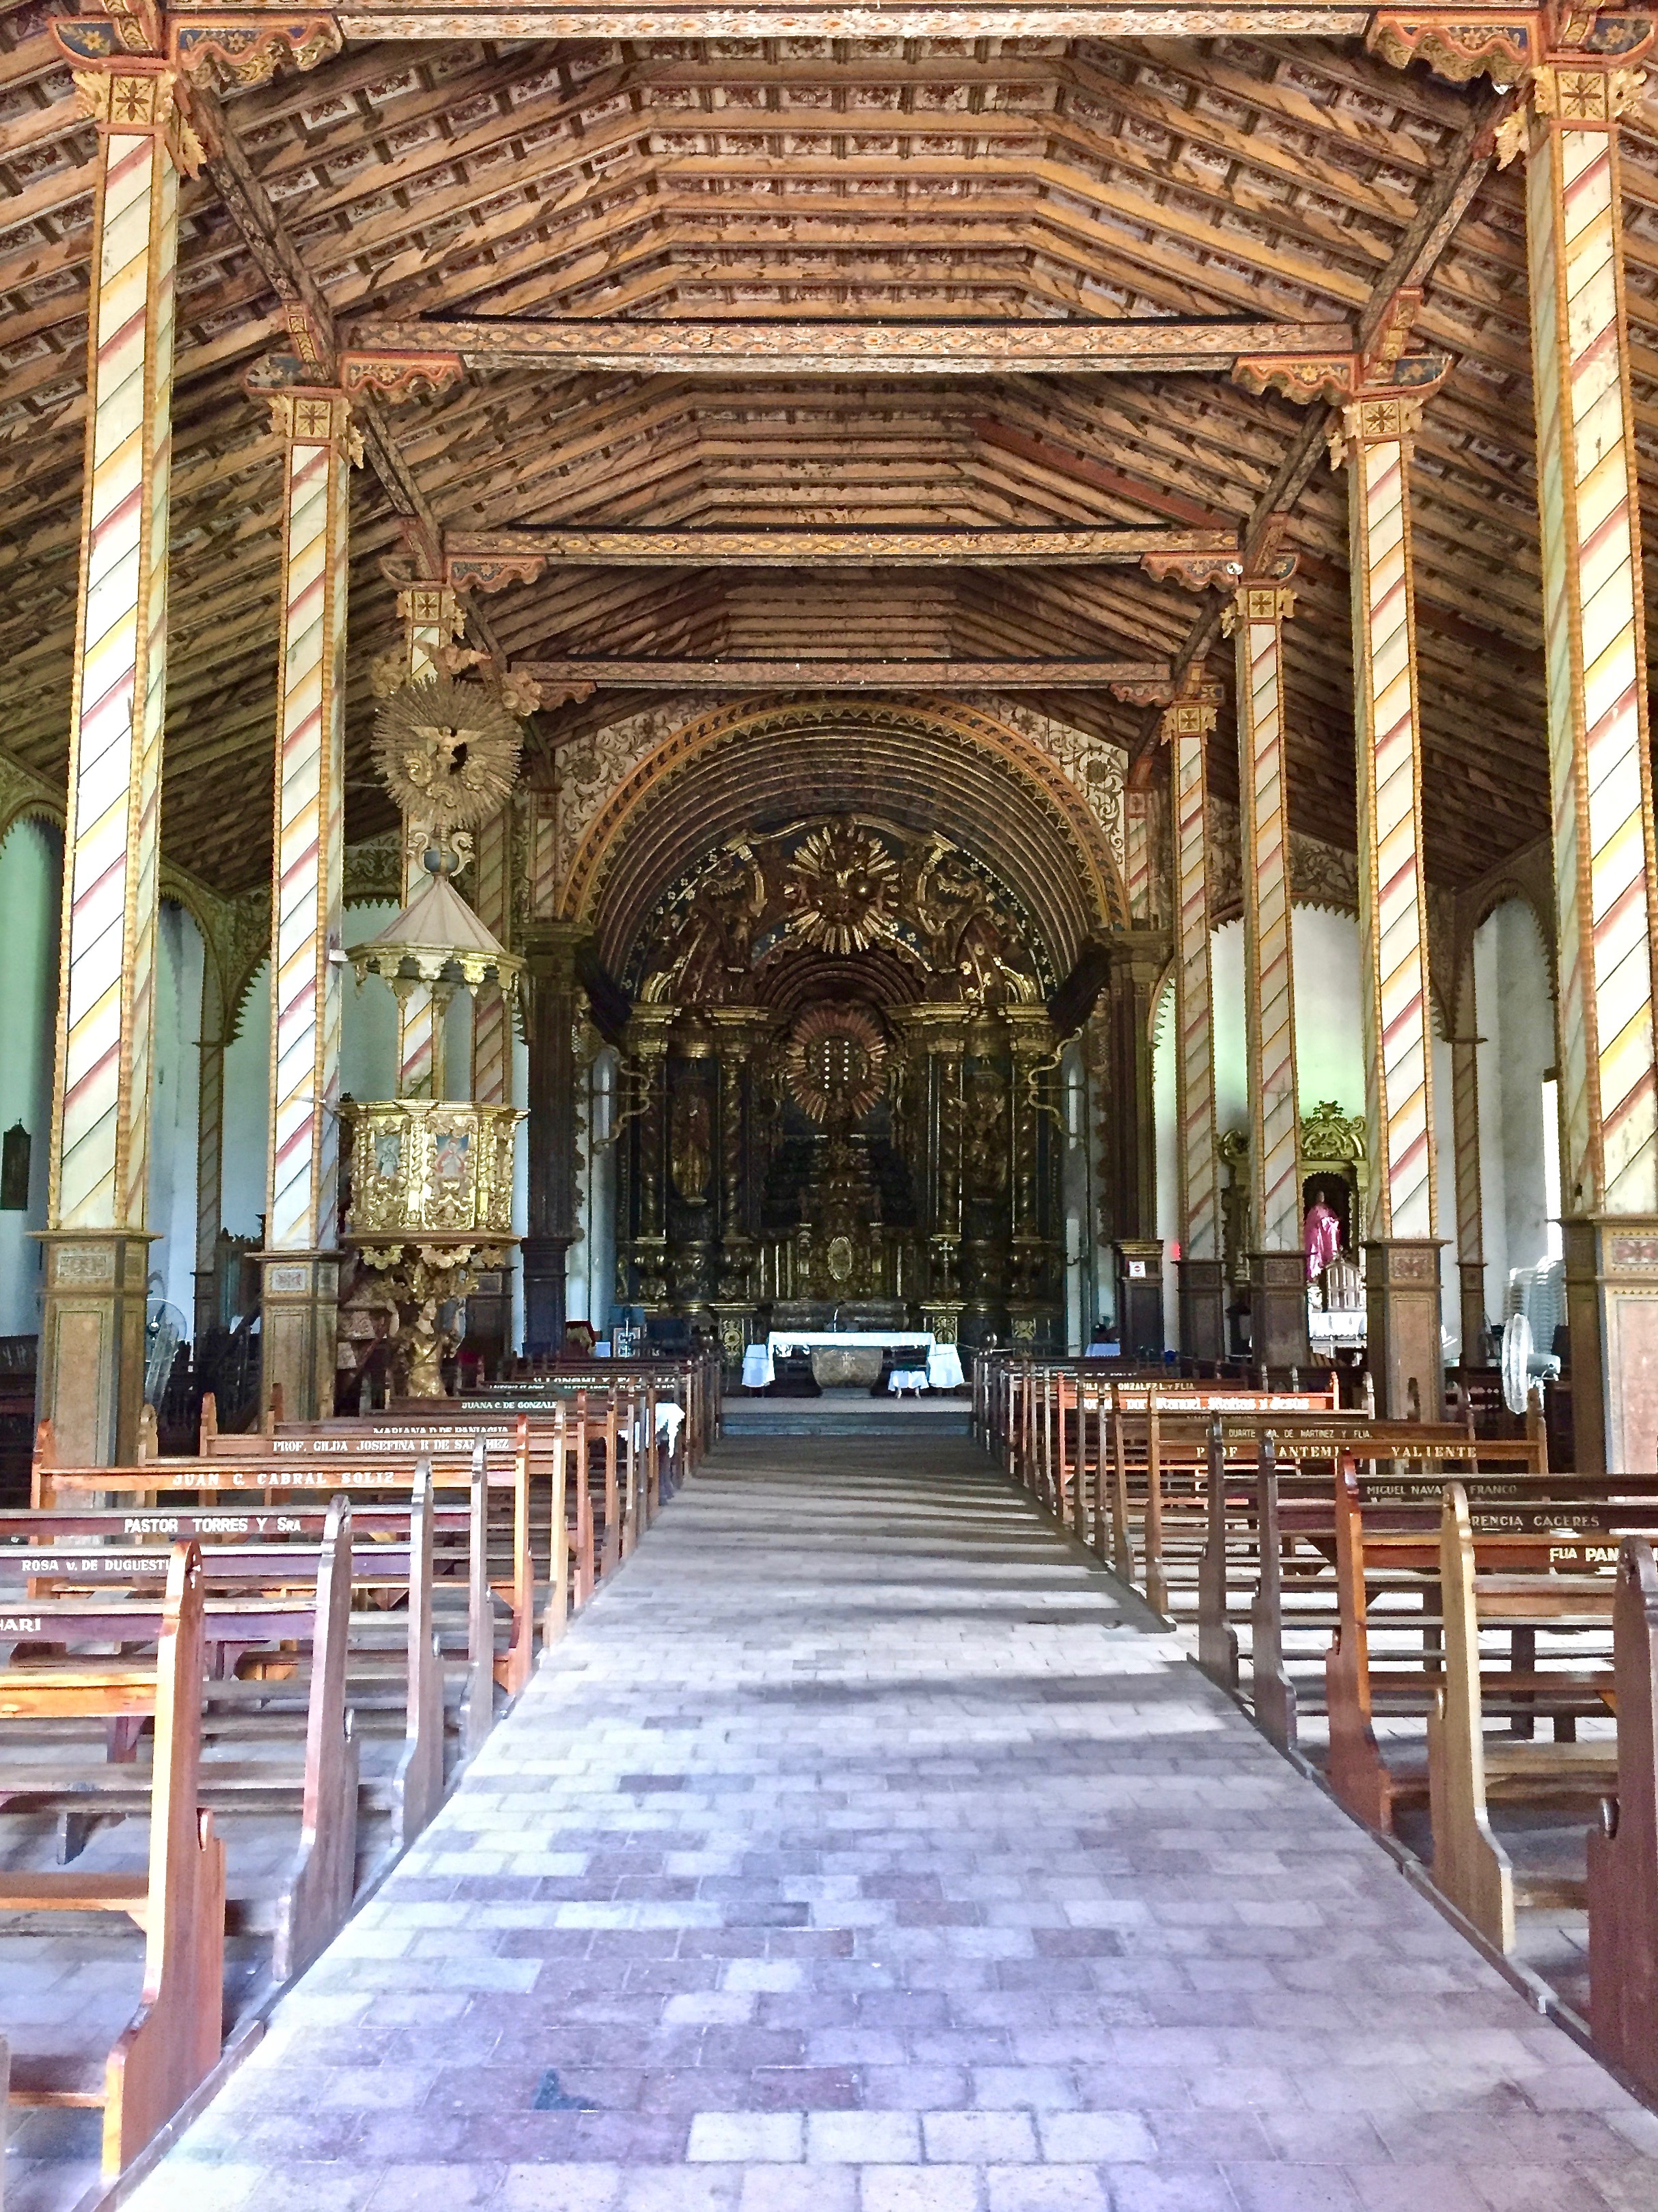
{"x":1323,"y":1238}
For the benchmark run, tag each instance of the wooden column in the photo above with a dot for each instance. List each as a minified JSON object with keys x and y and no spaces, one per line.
{"x":431,"y":617}
{"x":1187,"y":729}
{"x":1031,"y":1050}
{"x":1139,"y":841}
{"x":92,"y":1348}
{"x":1138,"y":960}
{"x":1401,"y":1239}
{"x":550,"y":1026}
{"x":1470,"y":1203}
{"x":1599,"y":763}
{"x":210,"y":1143}
{"x":1277,"y":1266}
{"x":740,"y":1032}
{"x":300,"y":1258}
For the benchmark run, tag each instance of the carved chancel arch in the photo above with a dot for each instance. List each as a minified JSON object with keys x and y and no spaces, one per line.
{"x":673,"y":793}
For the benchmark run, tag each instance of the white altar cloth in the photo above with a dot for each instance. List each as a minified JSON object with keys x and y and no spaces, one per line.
{"x":944,"y":1362}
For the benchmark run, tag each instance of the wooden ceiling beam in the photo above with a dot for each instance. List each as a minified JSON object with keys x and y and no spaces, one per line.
{"x":284,"y":267}
{"x":1413,"y":262}
{"x":806,"y":548}
{"x":740,"y":674}
{"x":764,"y":346}
{"x":1080,"y":468}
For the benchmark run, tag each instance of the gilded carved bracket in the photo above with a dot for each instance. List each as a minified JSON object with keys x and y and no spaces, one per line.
{"x":239,"y":52}
{"x":493,"y":572}
{"x":1509,"y":49}
{"x":1198,"y":572}
{"x":397,"y":377}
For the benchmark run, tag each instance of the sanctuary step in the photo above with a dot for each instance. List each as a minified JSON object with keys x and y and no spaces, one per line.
{"x":848,"y":1413}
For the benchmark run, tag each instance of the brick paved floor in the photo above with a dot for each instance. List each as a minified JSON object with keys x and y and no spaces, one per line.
{"x":859,"y":1852}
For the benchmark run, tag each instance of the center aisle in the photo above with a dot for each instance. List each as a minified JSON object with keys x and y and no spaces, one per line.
{"x":862,"y":1851}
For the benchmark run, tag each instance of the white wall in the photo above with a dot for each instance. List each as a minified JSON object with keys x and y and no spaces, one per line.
{"x":1329,"y":1048}
{"x":1450,"y":1280}
{"x":247,"y":1113}
{"x":175,"y":1109}
{"x":31,"y":872}
{"x":1329,"y":1027}
{"x":368,"y":1015}
{"x":1516,"y":1015}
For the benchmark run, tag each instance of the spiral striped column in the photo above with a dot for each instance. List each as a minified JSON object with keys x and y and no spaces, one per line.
{"x":1259,"y":610}
{"x":1599,"y":771}
{"x":1402,"y":1205}
{"x":1187,"y":726}
{"x":543,"y":830}
{"x":305,"y":906}
{"x":97,"y":1265}
{"x":1392,"y":890}
{"x":100,"y":1153}
{"x":1599,"y":765}
{"x":302,"y":1201}
{"x":1276,"y":1269}
{"x":1137,"y":854}
{"x":431,"y":617}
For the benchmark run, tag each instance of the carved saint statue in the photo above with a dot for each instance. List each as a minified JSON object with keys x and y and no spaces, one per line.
{"x":691,"y":1146}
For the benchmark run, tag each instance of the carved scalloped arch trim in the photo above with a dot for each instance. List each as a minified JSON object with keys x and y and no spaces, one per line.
{"x":590,"y":866}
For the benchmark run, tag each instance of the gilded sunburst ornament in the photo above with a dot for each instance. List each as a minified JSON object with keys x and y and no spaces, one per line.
{"x":448,"y":751}
{"x":835,"y":1064}
{"x":841,"y":880}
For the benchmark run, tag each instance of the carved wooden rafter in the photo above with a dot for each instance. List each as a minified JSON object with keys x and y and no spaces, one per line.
{"x":621,"y":205}
{"x":805,"y":547}
{"x":1412,"y":264}
{"x":771,"y":347}
{"x":824,"y":675}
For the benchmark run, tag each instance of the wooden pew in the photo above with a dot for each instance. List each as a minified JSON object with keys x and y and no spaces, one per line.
{"x":172,"y":2043}
{"x":540,"y":1449}
{"x":1308,"y":1540}
{"x":404,"y":1569}
{"x":1529,"y":1524}
{"x":1623,"y":1848}
{"x":313,"y":1899}
{"x":352,"y":1459}
{"x":1466,"y":1771}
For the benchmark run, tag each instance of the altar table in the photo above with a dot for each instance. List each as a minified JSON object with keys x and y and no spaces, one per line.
{"x":944,"y":1362}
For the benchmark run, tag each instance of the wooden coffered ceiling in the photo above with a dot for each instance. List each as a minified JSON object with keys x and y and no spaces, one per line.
{"x":902,"y":182}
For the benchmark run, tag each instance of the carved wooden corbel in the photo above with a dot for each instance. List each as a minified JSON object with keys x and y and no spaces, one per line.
{"x":397,"y":377}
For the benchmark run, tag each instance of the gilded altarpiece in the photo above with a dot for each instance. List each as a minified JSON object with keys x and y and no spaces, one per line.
{"x":839,"y":1095}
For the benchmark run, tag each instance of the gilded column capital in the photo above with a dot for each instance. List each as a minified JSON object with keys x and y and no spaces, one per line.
{"x":1195,"y":710}
{"x":1376,"y":418}
{"x":311,"y":415}
{"x":1571,"y":92}
{"x":431,"y":603}
{"x":130,"y":94}
{"x":1258,"y":599}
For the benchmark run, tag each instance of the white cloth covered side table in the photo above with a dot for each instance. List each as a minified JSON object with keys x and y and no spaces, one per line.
{"x":944,"y":1362}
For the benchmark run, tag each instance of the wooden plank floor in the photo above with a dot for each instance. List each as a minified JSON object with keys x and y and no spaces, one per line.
{"x":860,"y":1852}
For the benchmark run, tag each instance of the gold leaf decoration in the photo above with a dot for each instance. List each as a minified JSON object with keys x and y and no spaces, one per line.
{"x":448,"y":751}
